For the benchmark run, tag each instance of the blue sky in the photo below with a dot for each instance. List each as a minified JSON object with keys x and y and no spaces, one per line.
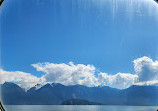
{"x":104,"y":33}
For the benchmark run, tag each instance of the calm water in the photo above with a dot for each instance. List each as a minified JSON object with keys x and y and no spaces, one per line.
{"x":78,"y":108}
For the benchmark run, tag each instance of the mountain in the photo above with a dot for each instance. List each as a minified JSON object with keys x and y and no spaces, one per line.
{"x":79,"y":102}
{"x":142,"y":95}
{"x":12,"y":92}
{"x":56,"y":94}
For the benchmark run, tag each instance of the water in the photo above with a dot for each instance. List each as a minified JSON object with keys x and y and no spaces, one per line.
{"x":78,"y":108}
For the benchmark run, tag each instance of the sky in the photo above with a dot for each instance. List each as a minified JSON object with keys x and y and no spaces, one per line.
{"x":87,"y":42}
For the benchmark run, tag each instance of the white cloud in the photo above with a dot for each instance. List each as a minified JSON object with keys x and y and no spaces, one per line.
{"x":146,"y":73}
{"x":67,"y":74}
{"x":147,"y":83}
{"x":146,"y":69}
{"x":119,"y":80}
{"x":25,"y":79}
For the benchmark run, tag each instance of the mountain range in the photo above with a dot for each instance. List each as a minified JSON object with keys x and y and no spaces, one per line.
{"x":56,"y":94}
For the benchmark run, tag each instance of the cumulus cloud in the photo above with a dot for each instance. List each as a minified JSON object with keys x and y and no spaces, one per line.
{"x":146,"y":69}
{"x":119,"y":80}
{"x":146,"y":73}
{"x":68,"y":74}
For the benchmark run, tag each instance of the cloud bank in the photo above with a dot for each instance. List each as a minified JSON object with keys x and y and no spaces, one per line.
{"x":146,"y":73}
{"x":25,"y":79}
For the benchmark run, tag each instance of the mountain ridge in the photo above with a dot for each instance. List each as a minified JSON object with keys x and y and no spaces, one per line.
{"x":55,"y":94}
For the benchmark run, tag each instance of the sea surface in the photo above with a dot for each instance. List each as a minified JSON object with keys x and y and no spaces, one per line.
{"x":78,"y":108}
